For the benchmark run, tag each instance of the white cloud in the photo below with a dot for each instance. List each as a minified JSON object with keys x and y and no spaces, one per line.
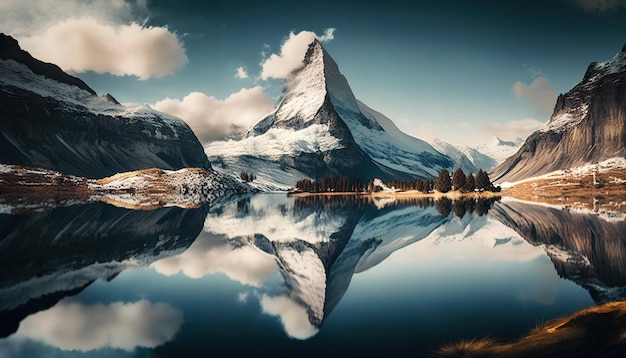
{"x":599,"y":5}
{"x":245,"y":264}
{"x":521,"y":128}
{"x":291,"y":55}
{"x":97,"y":35}
{"x":77,"y":326}
{"x":212,"y":119}
{"x":241,"y":73}
{"x":294,"y":317}
{"x":539,"y":94}
{"x":81,"y":45}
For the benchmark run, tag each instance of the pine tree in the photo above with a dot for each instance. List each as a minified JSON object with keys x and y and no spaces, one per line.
{"x":458,"y":179}
{"x":419,"y":185}
{"x":443,"y":183}
{"x":429,"y":185}
{"x":470,"y":183}
{"x":482,"y":180}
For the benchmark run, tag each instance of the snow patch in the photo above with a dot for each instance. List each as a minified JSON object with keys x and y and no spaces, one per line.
{"x":277,"y":142}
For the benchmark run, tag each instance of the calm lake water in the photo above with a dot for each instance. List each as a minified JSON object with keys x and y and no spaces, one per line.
{"x":272,"y":275}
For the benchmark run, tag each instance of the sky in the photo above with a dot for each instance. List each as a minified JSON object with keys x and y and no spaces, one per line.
{"x":461,"y":71}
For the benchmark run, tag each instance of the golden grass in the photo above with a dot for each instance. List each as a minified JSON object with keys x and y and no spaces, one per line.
{"x":468,"y":348}
{"x":593,"y":332}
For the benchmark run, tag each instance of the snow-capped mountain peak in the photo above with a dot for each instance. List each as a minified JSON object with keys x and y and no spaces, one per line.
{"x":317,"y":81}
{"x":499,"y":150}
{"x":321,"y":129}
{"x":597,"y":70}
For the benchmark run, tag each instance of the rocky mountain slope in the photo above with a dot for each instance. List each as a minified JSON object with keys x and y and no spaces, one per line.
{"x":51,"y":120}
{"x":320,"y":129}
{"x":588,"y":125}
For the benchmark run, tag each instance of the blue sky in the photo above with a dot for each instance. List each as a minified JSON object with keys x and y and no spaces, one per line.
{"x":458,"y":70}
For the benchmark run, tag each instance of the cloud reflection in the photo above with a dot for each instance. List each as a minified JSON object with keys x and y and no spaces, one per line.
{"x":77,"y":326}
{"x":294,"y":317}
{"x":208,"y":255}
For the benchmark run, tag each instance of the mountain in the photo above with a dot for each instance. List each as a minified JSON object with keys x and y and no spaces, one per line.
{"x":460,"y":159}
{"x":495,"y":152}
{"x":51,"y":120}
{"x":486,"y":156}
{"x":321,"y":129}
{"x":588,"y":125}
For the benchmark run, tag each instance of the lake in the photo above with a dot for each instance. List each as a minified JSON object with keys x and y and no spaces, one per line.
{"x":274,"y":275}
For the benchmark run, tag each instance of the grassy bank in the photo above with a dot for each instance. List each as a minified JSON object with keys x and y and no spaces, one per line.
{"x":593,"y":332}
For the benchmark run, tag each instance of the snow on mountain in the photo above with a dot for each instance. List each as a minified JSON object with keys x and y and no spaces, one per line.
{"x":394,"y":148}
{"x":499,"y":150}
{"x":321,"y":129}
{"x":485,"y":156}
{"x":460,"y":159}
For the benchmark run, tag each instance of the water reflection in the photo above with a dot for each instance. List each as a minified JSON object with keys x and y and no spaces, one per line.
{"x":296,"y":259}
{"x":320,"y":242}
{"x":47,"y":256}
{"x":77,"y":326}
{"x":587,"y":248}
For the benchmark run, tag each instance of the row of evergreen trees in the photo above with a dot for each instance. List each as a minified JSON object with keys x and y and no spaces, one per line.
{"x":444,"y":183}
{"x":466,"y":184}
{"x":340,"y":184}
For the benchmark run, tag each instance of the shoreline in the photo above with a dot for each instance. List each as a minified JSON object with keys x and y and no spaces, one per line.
{"x":411,"y":194}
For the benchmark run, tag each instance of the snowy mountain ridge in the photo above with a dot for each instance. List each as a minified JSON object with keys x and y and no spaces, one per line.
{"x":485,"y":156}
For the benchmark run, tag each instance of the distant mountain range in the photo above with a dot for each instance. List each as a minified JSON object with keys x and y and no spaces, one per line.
{"x":588,"y":126}
{"x":485,"y":156}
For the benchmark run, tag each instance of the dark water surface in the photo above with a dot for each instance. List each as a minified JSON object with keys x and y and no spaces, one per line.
{"x":282,"y":276}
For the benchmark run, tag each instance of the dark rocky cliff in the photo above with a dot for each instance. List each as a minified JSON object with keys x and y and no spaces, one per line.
{"x":52,"y":120}
{"x":588,"y":125}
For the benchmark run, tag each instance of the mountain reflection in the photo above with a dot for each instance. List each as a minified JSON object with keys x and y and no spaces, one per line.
{"x":298,"y":256}
{"x":47,"y":256}
{"x":320,"y":242}
{"x":587,"y":248}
